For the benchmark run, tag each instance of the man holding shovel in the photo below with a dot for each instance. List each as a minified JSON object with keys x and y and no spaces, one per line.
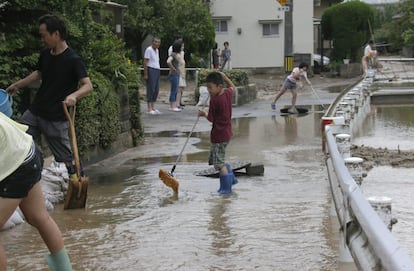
{"x":60,"y":71}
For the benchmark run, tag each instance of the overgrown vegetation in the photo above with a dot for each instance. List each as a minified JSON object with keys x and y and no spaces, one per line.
{"x":107,"y":61}
{"x":238,"y":77}
{"x":399,"y":29}
{"x":166,"y":19}
{"x":348,"y":26}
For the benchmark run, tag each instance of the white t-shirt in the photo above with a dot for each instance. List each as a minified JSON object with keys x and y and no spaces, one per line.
{"x":367,"y":49}
{"x":15,"y":144}
{"x":296,"y":71}
{"x":153,"y":57}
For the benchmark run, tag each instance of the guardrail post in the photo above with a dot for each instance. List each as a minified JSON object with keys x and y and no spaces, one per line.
{"x":354,"y":165}
{"x":343,"y":141}
{"x":382,"y":205}
{"x":344,"y":254}
{"x":346,"y":108}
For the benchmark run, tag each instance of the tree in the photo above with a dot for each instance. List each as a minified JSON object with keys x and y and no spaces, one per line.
{"x":166,"y":19}
{"x":400,"y":29}
{"x":348,"y":26}
{"x":103,"y":53}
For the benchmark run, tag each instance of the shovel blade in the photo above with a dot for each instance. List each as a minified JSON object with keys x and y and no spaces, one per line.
{"x":77,"y":194}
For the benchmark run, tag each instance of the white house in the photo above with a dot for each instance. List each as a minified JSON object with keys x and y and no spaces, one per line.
{"x":256,"y":31}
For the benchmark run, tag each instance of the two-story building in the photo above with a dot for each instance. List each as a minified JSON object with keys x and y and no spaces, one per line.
{"x":263,"y":33}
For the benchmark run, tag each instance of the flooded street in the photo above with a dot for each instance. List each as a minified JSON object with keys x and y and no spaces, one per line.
{"x":392,"y":127}
{"x":279,"y":221}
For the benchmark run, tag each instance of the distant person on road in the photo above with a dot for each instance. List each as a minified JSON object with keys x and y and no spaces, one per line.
{"x":219,"y":114}
{"x":215,"y":57}
{"x":290,"y":83}
{"x":226,"y":57}
{"x":152,"y":74}
{"x":178,"y":37}
{"x":182,"y":82}
{"x":173,"y":62}
{"x":368,"y":60}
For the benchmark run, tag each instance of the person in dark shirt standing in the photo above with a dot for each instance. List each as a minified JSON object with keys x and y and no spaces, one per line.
{"x":63,"y":77}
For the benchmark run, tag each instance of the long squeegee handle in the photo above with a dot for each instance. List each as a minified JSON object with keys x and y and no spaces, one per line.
{"x":185,"y":144}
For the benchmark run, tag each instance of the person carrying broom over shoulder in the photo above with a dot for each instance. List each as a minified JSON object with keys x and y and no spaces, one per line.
{"x":219,"y":114}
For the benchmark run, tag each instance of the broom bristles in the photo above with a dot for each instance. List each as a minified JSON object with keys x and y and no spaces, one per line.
{"x":168,"y":180}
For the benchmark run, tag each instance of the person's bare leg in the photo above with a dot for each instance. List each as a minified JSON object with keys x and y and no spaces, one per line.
{"x":279,"y":94}
{"x":223,"y":170}
{"x":33,"y":208}
{"x":294,"y":96}
{"x":179,"y":95}
{"x":7,"y":208}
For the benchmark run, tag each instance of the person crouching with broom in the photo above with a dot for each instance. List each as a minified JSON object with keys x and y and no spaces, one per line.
{"x":219,"y":114}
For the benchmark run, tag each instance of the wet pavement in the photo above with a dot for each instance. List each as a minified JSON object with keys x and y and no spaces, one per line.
{"x":278,"y":221}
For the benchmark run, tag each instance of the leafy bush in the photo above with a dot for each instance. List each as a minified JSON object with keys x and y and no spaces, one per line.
{"x":348,"y":36}
{"x":107,"y":61}
{"x":238,"y":77}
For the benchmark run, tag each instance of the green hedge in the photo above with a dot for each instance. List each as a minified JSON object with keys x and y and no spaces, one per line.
{"x":238,"y":77}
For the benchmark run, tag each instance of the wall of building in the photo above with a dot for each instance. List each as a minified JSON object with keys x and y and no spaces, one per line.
{"x":303,"y":28}
{"x":250,"y":49}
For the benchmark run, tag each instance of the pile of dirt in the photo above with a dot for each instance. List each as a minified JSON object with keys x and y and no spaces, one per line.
{"x":383,"y":157}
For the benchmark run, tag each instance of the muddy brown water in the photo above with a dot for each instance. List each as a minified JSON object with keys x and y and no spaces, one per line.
{"x":278,"y":221}
{"x":388,"y":130}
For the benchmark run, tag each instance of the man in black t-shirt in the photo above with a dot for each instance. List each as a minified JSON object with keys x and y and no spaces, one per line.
{"x":63,"y":77}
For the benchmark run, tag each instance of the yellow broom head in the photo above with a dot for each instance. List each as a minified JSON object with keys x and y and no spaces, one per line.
{"x":169,"y":180}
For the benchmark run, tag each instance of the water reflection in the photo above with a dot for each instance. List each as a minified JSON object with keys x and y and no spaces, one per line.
{"x":387,"y":127}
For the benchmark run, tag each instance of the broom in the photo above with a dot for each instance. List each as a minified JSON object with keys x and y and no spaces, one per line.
{"x":317,"y":96}
{"x":168,"y":177}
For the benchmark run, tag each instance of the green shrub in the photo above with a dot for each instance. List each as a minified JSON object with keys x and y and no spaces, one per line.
{"x":238,"y":77}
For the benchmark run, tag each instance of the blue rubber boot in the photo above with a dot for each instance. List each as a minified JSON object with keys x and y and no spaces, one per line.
{"x":230,"y":171}
{"x":59,"y":261}
{"x":226,"y":181}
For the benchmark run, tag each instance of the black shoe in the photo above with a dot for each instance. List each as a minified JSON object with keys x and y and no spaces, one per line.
{"x":182,"y":105}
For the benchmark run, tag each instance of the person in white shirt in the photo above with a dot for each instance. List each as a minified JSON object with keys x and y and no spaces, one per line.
{"x":152,"y":74}
{"x":368,"y":47}
{"x":21,"y":165}
{"x":290,"y":83}
{"x":368,"y":60}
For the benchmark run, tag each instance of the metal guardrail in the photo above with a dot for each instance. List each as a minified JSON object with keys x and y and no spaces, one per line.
{"x":370,"y":242}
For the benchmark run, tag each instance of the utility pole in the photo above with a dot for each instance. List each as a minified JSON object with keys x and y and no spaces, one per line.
{"x":289,"y":36}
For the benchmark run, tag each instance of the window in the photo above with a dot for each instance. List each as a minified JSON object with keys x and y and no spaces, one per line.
{"x":220,"y":26}
{"x":270,"y":29}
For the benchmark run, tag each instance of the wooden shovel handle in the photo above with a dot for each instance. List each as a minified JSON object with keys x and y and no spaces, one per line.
{"x":71,"y":119}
